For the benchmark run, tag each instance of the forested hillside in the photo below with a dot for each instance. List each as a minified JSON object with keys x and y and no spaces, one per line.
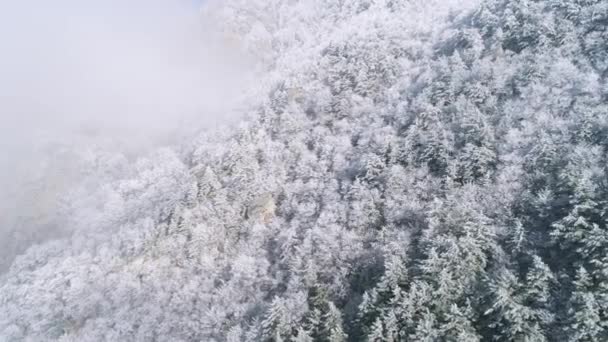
{"x":415,"y":171}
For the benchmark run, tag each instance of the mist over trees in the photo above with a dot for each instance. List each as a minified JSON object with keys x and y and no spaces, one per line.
{"x":414,"y":171}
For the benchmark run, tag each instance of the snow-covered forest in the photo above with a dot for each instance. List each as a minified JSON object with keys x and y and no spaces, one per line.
{"x":401,"y":170}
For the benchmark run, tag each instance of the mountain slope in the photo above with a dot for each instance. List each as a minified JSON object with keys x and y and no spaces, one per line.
{"x":416,"y":171}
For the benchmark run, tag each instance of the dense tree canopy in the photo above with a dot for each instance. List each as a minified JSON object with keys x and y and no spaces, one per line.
{"x":429,"y":171}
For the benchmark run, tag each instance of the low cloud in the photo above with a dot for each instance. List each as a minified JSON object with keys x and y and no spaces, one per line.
{"x":111,"y":67}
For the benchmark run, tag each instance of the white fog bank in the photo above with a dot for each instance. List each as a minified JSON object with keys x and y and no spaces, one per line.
{"x":132,"y":69}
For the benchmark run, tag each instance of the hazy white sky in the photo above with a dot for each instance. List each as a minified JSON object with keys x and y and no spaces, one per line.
{"x":108,"y":67}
